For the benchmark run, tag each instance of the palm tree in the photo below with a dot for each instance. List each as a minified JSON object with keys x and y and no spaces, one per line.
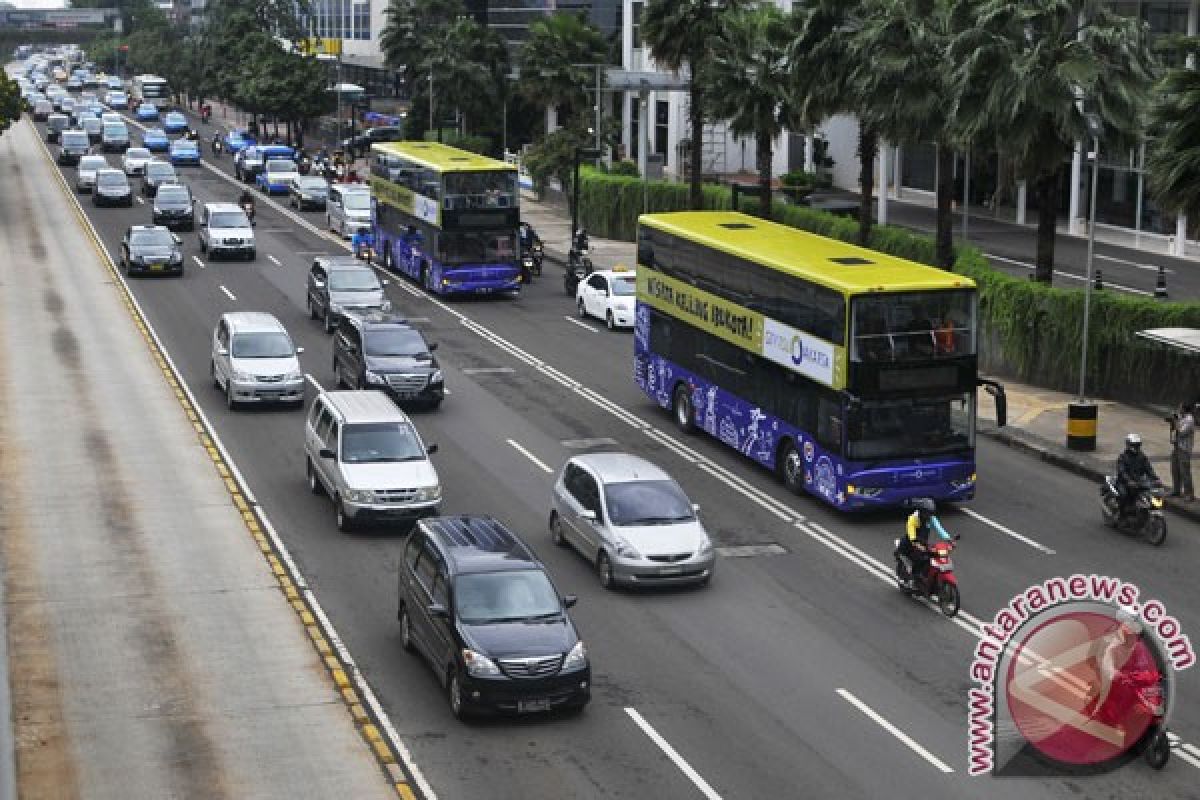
{"x":747,"y":78}
{"x":823,"y":64}
{"x":899,"y":57}
{"x":1173,"y":164}
{"x":678,"y":33}
{"x":551,"y":75}
{"x":1026,"y":72}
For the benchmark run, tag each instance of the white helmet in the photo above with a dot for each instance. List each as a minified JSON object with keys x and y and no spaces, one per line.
{"x":1133,"y":441}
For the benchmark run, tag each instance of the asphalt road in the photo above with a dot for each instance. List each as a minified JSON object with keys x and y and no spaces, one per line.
{"x":741,"y":680}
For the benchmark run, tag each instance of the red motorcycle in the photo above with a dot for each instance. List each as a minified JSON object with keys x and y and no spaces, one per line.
{"x":939,"y":583}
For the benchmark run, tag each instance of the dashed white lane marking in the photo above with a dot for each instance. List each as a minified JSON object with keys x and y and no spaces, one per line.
{"x":228,"y":293}
{"x":672,"y":754}
{"x":583,"y":325}
{"x":199,"y":263}
{"x":315,"y":383}
{"x":1135,"y":264}
{"x":537,"y":462}
{"x":1008,"y":531}
{"x":487,"y":370}
{"x":894,"y":731}
{"x":1071,"y":275}
{"x":274,"y":260}
{"x":141,"y":200}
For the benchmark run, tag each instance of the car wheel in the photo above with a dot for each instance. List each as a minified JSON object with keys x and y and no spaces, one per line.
{"x":344,"y":523}
{"x":604,"y":571}
{"x":312,"y":310}
{"x":230,"y":403}
{"x":455,"y":695}
{"x":329,"y":222}
{"x":556,"y":531}
{"x":610,"y":322}
{"x":338,"y":383}
{"x":328,"y":322}
{"x":310,"y":472}
{"x":203,"y":246}
{"x":212,"y":370}
{"x":425,"y":275}
{"x":790,"y":468}
{"x":406,"y":639}
{"x":581,"y":308}
{"x":682,"y":406}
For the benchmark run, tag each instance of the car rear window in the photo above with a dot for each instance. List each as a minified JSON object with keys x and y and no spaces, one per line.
{"x":74,"y":138}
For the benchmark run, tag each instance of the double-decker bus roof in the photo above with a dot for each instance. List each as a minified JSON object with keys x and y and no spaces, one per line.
{"x":837,"y":265}
{"x":442,"y":157}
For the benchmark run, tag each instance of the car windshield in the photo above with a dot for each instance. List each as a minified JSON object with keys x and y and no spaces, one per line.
{"x":92,"y":163}
{"x":262,"y":345}
{"x":312,"y":184}
{"x":624,"y":286}
{"x":154,"y":238}
{"x":135,"y":153}
{"x":115,"y":129}
{"x":399,"y":342}
{"x":111,"y":179}
{"x":183,"y":144}
{"x":229,"y":219}
{"x":75,"y":138}
{"x":280,"y":165}
{"x":352,"y":280}
{"x":157,"y":169}
{"x":647,"y":503}
{"x":171,"y":194}
{"x":357,"y":201}
{"x":484,"y":598}
{"x":378,"y":442}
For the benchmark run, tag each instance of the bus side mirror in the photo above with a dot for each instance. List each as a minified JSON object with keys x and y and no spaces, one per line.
{"x":996,"y":390}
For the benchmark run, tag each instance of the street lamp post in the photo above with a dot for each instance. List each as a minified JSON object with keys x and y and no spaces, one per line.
{"x":1082,"y":414}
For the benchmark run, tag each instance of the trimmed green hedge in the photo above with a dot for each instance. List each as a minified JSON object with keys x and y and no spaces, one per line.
{"x":1029,"y":331}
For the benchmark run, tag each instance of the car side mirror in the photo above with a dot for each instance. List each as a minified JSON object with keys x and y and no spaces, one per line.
{"x":325,"y":453}
{"x":589,"y":515}
{"x":319,"y":284}
{"x":438,"y":611}
{"x":569,"y":600}
{"x":695,"y":508}
{"x":431,"y":449}
{"x":432,"y":346}
{"x":222,"y":351}
{"x":177,"y":239}
{"x":299,"y":350}
{"x":384,"y":282}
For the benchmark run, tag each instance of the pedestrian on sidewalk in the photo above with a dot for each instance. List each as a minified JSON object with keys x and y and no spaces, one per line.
{"x":1183,"y":436}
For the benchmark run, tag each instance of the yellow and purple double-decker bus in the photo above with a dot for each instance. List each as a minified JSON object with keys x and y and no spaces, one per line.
{"x":445,"y":217}
{"x":850,"y":373}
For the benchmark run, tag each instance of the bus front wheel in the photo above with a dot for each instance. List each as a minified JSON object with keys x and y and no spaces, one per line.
{"x":790,"y":467}
{"x":685,"y":418}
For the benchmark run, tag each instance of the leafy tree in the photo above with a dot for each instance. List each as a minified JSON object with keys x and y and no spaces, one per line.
{"x":1173,"y":163}
{"x":1023,"y":67}
{"x":549,"y":58}
{"x":554,"y":157}
{"x":678,"y":33}
{"x":10,"y":102}
{"x":747,"y":77}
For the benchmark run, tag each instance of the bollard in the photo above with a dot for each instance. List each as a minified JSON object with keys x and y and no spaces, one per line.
{"x":1160,"y":284}
{"x":1099,"y":282}
{"x":1081,"y":426}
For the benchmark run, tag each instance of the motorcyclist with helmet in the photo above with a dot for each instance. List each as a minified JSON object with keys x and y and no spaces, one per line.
{"x":246,"y":201}
{"x":1133,"y":469}
{"x":915,"y":544}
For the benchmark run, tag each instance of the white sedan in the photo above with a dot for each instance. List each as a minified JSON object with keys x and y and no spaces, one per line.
{"x":135,"y":159}
{"x":608,"y":295}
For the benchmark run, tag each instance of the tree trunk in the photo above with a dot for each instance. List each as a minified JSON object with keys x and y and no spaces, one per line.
{"x":944,"y":236}
{"x":763,"y":154}
{"x":868,"y":144}
{"x":696,"y":110}
{"x":1046,"y":191}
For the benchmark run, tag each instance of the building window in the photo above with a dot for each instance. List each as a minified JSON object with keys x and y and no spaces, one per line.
{"x":662,"y":114}
{"x":362,"y":21}
{"x":635,"y":19}
{"x":1166,"y":16}
{"x":635,"y":110}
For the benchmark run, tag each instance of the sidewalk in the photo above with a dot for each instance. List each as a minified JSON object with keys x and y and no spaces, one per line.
{"x":1037,"y":418}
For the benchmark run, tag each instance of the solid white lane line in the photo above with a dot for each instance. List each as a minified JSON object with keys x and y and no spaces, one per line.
{"x":583,"y":325}
{"x":894,"y":731}
{"x":1008,"y":531}
{"x":671,"y":753}
{"x":315,"y":383}
{"x":274,"y":260}
{"x":1137,"y":264}
{"x":537,"y":462}
{"x":486,"y":370}
{"x":228,"y":293}
{"x":1070,"y":275}
{"x":199,"y":263}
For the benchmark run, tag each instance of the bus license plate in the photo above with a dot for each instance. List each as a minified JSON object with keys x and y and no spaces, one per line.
{"x":533,"y":705}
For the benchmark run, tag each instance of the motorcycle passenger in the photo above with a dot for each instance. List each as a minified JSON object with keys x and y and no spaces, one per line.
{"x":1133,"y":469}
{"x":915,"y":545}
{"x":529,"y":236}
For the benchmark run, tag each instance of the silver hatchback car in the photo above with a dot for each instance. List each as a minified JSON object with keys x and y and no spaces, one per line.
{"x":631,"y":520}
{"x":254,"y":360}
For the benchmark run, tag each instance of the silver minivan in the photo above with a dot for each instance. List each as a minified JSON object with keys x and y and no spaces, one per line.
{"x":254,"y":360}
{"x":365,"y":453}
{"x":348,"y":208}
{"x":114,"y":136}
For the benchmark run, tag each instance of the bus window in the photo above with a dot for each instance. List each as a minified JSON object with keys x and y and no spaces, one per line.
{"x":914,"y":326}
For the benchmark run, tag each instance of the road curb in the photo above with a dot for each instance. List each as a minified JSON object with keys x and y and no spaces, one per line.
{"x":367,"y":719}
{"x":1083,"y":465}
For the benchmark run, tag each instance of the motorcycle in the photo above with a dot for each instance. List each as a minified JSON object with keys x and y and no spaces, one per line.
{"x":538,"y":251}
{"x":1142,"y":516}
{"x":205,"y":114}
{"x":248,"y":207}
{"x":216,"y":144}
{"x":939,"y":583}
{"x":527,"y":267}
{"x":1150,"y":697}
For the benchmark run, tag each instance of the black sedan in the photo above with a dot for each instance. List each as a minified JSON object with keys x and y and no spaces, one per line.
{"x":308,"y":191}
{"x":151,"y":249}
{"x":174,"y":207}
{"x":155,"y":175}
{"x":112,"y":189}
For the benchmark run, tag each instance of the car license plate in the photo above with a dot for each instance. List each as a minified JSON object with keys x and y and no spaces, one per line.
{"x":156,"y":267}
{"x":670,"y":570}
{"x":533,"y":705}
{"x":269,"y":395}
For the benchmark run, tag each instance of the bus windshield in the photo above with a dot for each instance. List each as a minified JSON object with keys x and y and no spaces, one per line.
{"x":910,"y":428}
{"x":488,"y":247}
